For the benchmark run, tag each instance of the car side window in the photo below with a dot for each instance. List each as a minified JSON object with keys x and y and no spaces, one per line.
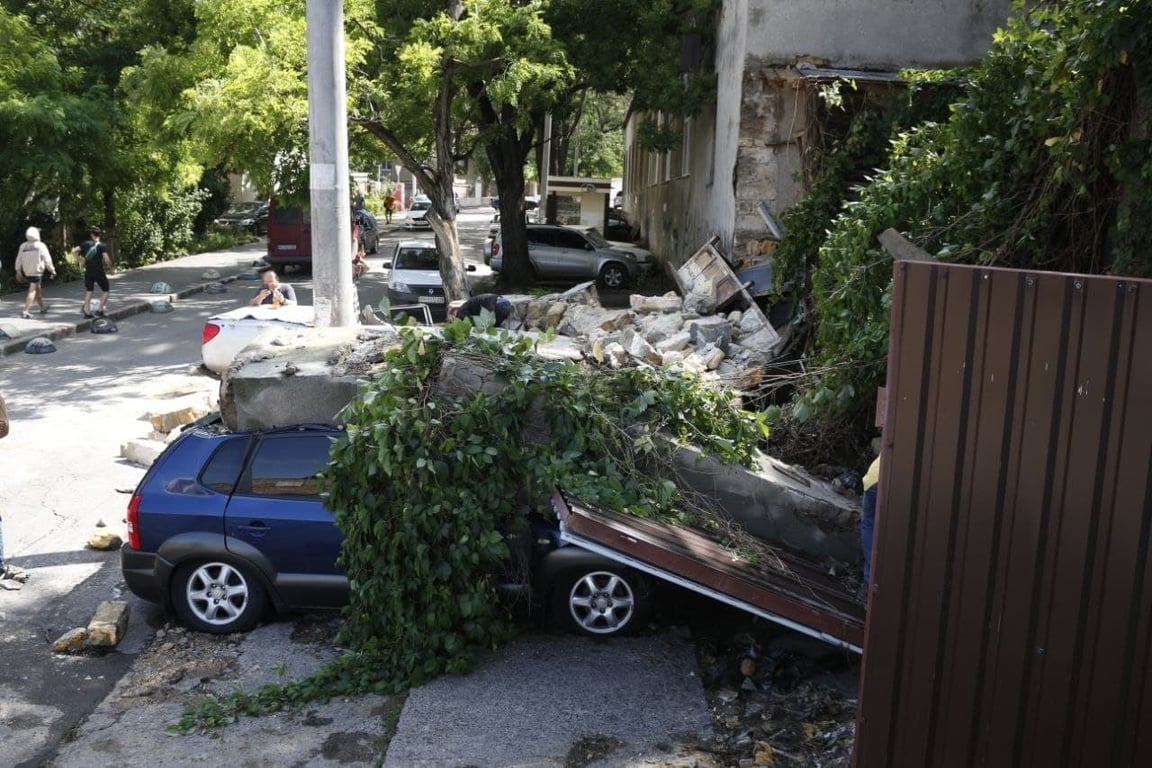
{"x":540,"y":237}
{"x":571,"y":240}
{"x":222,"y":471}
{"x":288,"y":465}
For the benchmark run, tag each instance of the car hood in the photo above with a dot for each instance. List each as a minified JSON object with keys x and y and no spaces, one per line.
{"x":416,"y":276}
{"x":640,"y":254}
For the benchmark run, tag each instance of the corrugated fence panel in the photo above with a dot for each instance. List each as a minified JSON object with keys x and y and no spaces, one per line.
{"x":1010,"y":620}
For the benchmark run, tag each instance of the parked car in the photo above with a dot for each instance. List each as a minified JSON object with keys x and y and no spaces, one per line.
{"x":227,"y":525}
{"x":617,"y":228}
{"x":415,"y":276}
{"x":418,"y":214}
{"x":289,"y":235}
{"x":241,"y":215}
{"x":561,"y":252}
{"x":226,"y":334}
{"x":260,"y":220}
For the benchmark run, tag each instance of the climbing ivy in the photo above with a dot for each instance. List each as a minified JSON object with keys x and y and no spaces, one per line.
{"x":1043,"y":163}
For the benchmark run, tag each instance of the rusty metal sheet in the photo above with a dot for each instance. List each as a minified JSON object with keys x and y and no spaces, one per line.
{"x":1010,"y":620}
{"x":782,"y":588}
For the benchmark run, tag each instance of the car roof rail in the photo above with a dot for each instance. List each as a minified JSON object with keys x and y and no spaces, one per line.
{"x":318,"y":426}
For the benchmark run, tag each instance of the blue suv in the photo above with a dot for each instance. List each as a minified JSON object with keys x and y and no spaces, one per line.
{"x":226,"y":525}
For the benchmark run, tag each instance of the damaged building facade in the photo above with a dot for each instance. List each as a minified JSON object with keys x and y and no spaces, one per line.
{"x":771,"y":59}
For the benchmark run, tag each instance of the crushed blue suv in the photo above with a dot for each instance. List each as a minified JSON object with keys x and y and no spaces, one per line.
{"x":228,"y":526}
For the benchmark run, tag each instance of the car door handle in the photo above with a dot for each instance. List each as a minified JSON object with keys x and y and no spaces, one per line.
{"x":257,"y":529}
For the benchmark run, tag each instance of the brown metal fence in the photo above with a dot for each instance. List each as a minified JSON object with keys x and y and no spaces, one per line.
{"x":1010,"y":622}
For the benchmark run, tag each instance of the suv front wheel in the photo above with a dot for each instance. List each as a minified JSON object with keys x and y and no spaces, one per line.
{"x":613,"y":275}
{"x":217,"y":597}
{"x":602,"y":602}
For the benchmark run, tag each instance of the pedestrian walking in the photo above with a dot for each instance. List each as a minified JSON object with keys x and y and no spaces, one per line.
{"x":96,"y":263}
{"x":389,"y":206}
{"x":33,"y":262}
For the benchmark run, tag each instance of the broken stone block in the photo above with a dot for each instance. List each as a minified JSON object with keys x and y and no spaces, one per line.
{"x":553,"y":315}
{"x":182,"y":411}
{"x":71,"y":641}
{"x":675,"y":343}
{"x":645,"y":305}
{"x":584,"y":293}
{"x":582,"y":320}
{"x":711,"y":330}
{"x":615,"y":354}
{"x":105,"y":541}
{"x":142,"y":452}
{"x":640,"y":349}
{"x":659,"y":327}
{"x":108,"y":624}
{"x":699,"y":303}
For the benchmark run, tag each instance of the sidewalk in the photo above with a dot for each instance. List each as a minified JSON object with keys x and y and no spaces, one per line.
{"x":130,"y":294}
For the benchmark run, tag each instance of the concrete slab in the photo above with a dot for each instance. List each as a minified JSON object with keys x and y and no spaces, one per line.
{"x":535,"y":702}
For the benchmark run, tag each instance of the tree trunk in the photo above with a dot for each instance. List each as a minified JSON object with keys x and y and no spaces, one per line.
{"x":507,"y":156}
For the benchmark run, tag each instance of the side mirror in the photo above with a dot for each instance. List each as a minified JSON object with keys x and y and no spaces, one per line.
{"x":386,"y":265}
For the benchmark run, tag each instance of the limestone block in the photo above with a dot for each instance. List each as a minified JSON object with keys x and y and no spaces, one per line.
{"x":640,"y":349}
{"x":674,"y":358}
{"x":584,"y":293}
{"x":616,"y":355}
{"x":669,"y":302}
{"x":763,"y":341}
{"x":699,"y":303}
{"x":750,"y":322}
{"x":711,"y":330}
{"x":142,"y":452}
{"x":71,"y":641}
{"x":108,"y":624}
{"x":584,"y":320}
{"x":675,"y":343}
{"x":553,"y":315}
{"x":659,"y":327}
{"x":105,"y":541}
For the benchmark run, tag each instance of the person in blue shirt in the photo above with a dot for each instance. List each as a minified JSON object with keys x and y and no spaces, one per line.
{"x":274,"y":291}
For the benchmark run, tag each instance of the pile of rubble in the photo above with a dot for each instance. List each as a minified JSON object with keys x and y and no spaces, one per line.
{"x":715,"y":329}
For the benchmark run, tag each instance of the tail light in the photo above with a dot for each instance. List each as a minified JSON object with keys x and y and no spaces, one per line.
{"x":495,"y":248}
{"x":134,"y":522}
{"x":211,"y":331}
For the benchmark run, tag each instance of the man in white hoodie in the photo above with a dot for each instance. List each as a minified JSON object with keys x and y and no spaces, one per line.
{"x":32,"y":262}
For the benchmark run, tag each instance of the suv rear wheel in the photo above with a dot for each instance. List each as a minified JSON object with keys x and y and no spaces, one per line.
{"x":217,"y":597}
{"x":602,"y":602}
{"x":613,"y":275}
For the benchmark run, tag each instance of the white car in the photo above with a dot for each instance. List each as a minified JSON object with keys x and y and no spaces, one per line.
{"x":226,"y":334}
{"x":414,"y":277}
{"x":418,"y":214}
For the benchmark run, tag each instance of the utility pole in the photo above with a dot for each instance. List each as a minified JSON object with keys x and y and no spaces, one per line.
{"x":333,"y":295}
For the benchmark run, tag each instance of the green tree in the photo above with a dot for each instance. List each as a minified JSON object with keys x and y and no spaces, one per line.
{"x":1043,"y":163}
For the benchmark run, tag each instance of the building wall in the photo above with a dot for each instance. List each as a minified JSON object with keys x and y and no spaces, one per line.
{"x":748,"y":148}
{"x":873,"y":34}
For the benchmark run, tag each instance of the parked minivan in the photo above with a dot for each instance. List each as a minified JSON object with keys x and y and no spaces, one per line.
{"x":290,"y":234}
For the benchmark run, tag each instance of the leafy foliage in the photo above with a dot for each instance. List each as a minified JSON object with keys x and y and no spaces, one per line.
{"x":1043,"y":164}
{"x":427,"y":479}
{"x":430,"y":475}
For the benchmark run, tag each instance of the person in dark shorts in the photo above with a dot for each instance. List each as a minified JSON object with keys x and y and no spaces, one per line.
{"x":494,"y":303}
{"x":96,"y":263}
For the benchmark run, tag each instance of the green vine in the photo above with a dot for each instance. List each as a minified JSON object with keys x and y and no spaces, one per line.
{"x":1044,"y":163}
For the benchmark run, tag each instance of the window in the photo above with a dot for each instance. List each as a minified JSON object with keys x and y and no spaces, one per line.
{"x":417,"y":258}
{"x":569,"y":239}
{"x":222,"y":470}
{"x":287,"y":465}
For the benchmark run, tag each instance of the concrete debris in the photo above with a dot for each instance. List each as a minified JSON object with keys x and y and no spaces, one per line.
{"x":72,"y":641}
{"x":108,"y":624}
{"x":105,"y":541}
